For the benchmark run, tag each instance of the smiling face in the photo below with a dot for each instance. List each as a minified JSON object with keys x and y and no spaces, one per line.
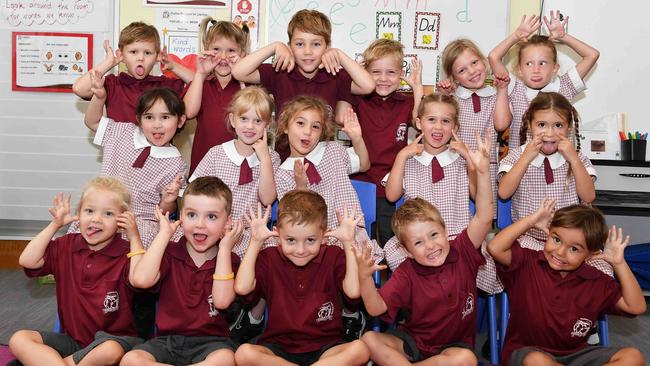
{"x":98,"y":217}
{"x":140,"y":57}
{"x":469,"y":70}
{"x":304,"y":131}
{"x":300,"y":243}
{"x":426,"y":242}
{"x":159,"y":125}
{"x":204,"y":219}
{"x":536,"y":66}
{"x":387,"y":74}
{"x":307,"y":49}
{"x":227,"y":53}
{"x":437,"y":123}
{"x":248,"y":126}
{"x":565,"y":249}
{"x":550,"y":125}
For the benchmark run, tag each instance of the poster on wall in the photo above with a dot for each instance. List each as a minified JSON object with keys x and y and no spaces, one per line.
{"x":247,"y":13}
{"x":49,"y":62}
{"x":186,"y":3}
{"x":179,"y":32}
{"x":43,"y":15}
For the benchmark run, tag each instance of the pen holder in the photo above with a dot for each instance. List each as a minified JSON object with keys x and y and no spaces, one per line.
{"x":633,"y":150}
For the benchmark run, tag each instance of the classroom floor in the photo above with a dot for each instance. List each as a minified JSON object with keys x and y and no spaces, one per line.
{"x":26,"y":304}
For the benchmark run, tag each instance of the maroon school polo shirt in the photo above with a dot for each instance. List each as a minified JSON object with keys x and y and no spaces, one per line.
{"x":550,"y":312}
{"x":384,"y":125}
{"x":287,"y":85}
{"x":303,"y":302}
{"x":185,"y":306}
{"x":211,"y":122}
{"x":441,"y":300}
{"x":123,"y":91}
{"x":92,"y":287}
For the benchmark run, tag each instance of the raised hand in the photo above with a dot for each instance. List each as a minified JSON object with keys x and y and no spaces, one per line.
{"x":532,"y":148}
{"x":97,"y":84}
{"x":351,"y":125}
{"x":480,"y":158}
{"x":446,"y":86}
{"x":257,"y":222}
{"x":331,"y":61}
{"x":365,"y":262}
{"x":529,"y":25}
{"x":544,"y":214}
{"x":126,"y":222}
{"x":167,"y":227}
{"x":206,"y":62}
{"x":283,"y":59}
{"x":170,"y":192}
{"x":556,"y":27}
{"x":457,"y":145}
{"x":166,"y":63}
{"x":111,"y":58}
{"x":261,"y":146}
{"x":614,"y":250}
{"x":414,"y":148}
{"x":501,"y":81}
{"x":60,"y":210}
{"x":414,"y":78}
{"x":231,"y":235}
{"x":566,"y":148}
{"x":348,"y":222}
{"x":300,"y":174}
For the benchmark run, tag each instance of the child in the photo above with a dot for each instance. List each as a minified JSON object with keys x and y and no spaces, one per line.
{"x":302,"y":279}
{"x":245,"y":164}
{"x":92,"y":290}
{"x":437,"y":171}
{"x":318,"y":70}
{"x":195,"y":280}
{"x":482,"y":108}
{"x":139,"y":49}
{"x":436,"y":286}
{"x":213,"y":86}
{"x":537,"y":67}
{"x":554,"y":297}
{"x":385,"y":116}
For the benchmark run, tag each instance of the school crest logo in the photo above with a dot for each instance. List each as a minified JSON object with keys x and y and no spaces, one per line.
{"x":401,"y":132}
{"x":111,"y":302}
{"x":325,"y":312}
{"x":213,"y":311}
{"x":581,"y":327}
{"x":469,"y":306}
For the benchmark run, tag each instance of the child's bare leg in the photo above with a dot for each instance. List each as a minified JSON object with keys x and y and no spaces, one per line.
{"x":536,"y":358}
{"x":28,"y":347}
{"x":258,"y":310}
{"x":385,"y":349}
{"x":107,"y":353}
{"x":249,"y":355}
{"x":139,"y":357}
{"x":352,"y":353}
{"x":627,"y":356}
{"x":220,"y":357}
{"x":452,"y":356}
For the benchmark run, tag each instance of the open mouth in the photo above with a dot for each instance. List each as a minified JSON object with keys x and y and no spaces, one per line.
{"x":434,"y":255}
{"x":139,"y":70}
{"x":305,"y":143}
{"x":91,"y":231}
{"x":200,"y":238}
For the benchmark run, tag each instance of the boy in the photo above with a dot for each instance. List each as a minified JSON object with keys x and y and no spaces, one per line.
{"x":318,"y":71}
{"x":194,"y":278}
{"x":435,"y":286}
{"x":302,"y":280}
{"x":139,"y":49}
{"x":555,"y":297}
{"x":92,"y":289}
{"x":385,"y":116}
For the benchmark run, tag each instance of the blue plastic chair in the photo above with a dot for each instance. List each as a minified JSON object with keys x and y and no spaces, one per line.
{"x":57,"y":324}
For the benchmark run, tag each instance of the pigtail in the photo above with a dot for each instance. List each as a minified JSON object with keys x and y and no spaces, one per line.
{"x":205,"y":24}
{"x":526,"y":120}
{"x":576,"y":133}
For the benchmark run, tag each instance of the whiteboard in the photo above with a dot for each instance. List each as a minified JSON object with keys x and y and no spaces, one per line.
{"x":354,"y":24}
{"x":620,"y":79}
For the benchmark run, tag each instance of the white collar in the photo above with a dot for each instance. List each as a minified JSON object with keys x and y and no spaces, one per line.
{"x":315,"y":156}
{"x":556,"y":159}
{"x":140,"y":141}
{"x":485,"y":91}
{"x":232,"y":154}
{"x":553,"y":86}
{"x":444,"y":158}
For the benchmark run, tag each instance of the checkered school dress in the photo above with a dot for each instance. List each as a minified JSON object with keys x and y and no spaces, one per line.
{"x":122,"y":143}
{"x":533,"y":189}
{"x":568,"y":84}
{"x":223,"y":161}
{"x":451,"y":197}
{"x":334,"y":163}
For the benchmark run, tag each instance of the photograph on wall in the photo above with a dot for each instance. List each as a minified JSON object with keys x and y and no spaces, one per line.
{"x":49,"y":62}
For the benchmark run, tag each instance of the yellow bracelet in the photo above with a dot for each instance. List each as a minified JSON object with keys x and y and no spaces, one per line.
{"x":225,"y":277}
{"x":133,"y":254}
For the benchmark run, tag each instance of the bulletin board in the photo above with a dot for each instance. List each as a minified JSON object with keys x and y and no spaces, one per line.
{"x":424,"y":27}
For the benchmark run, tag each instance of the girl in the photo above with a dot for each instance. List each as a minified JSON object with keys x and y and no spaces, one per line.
{"x":537,"y":66}
{"x":141,"y":156}
{"x":482,"y":108}
{"x":547,"y":165}
{"x":321,"y":165}
{"x":437,"y":171}
{"x":213,"y":86}
{"x":245,"y":164}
